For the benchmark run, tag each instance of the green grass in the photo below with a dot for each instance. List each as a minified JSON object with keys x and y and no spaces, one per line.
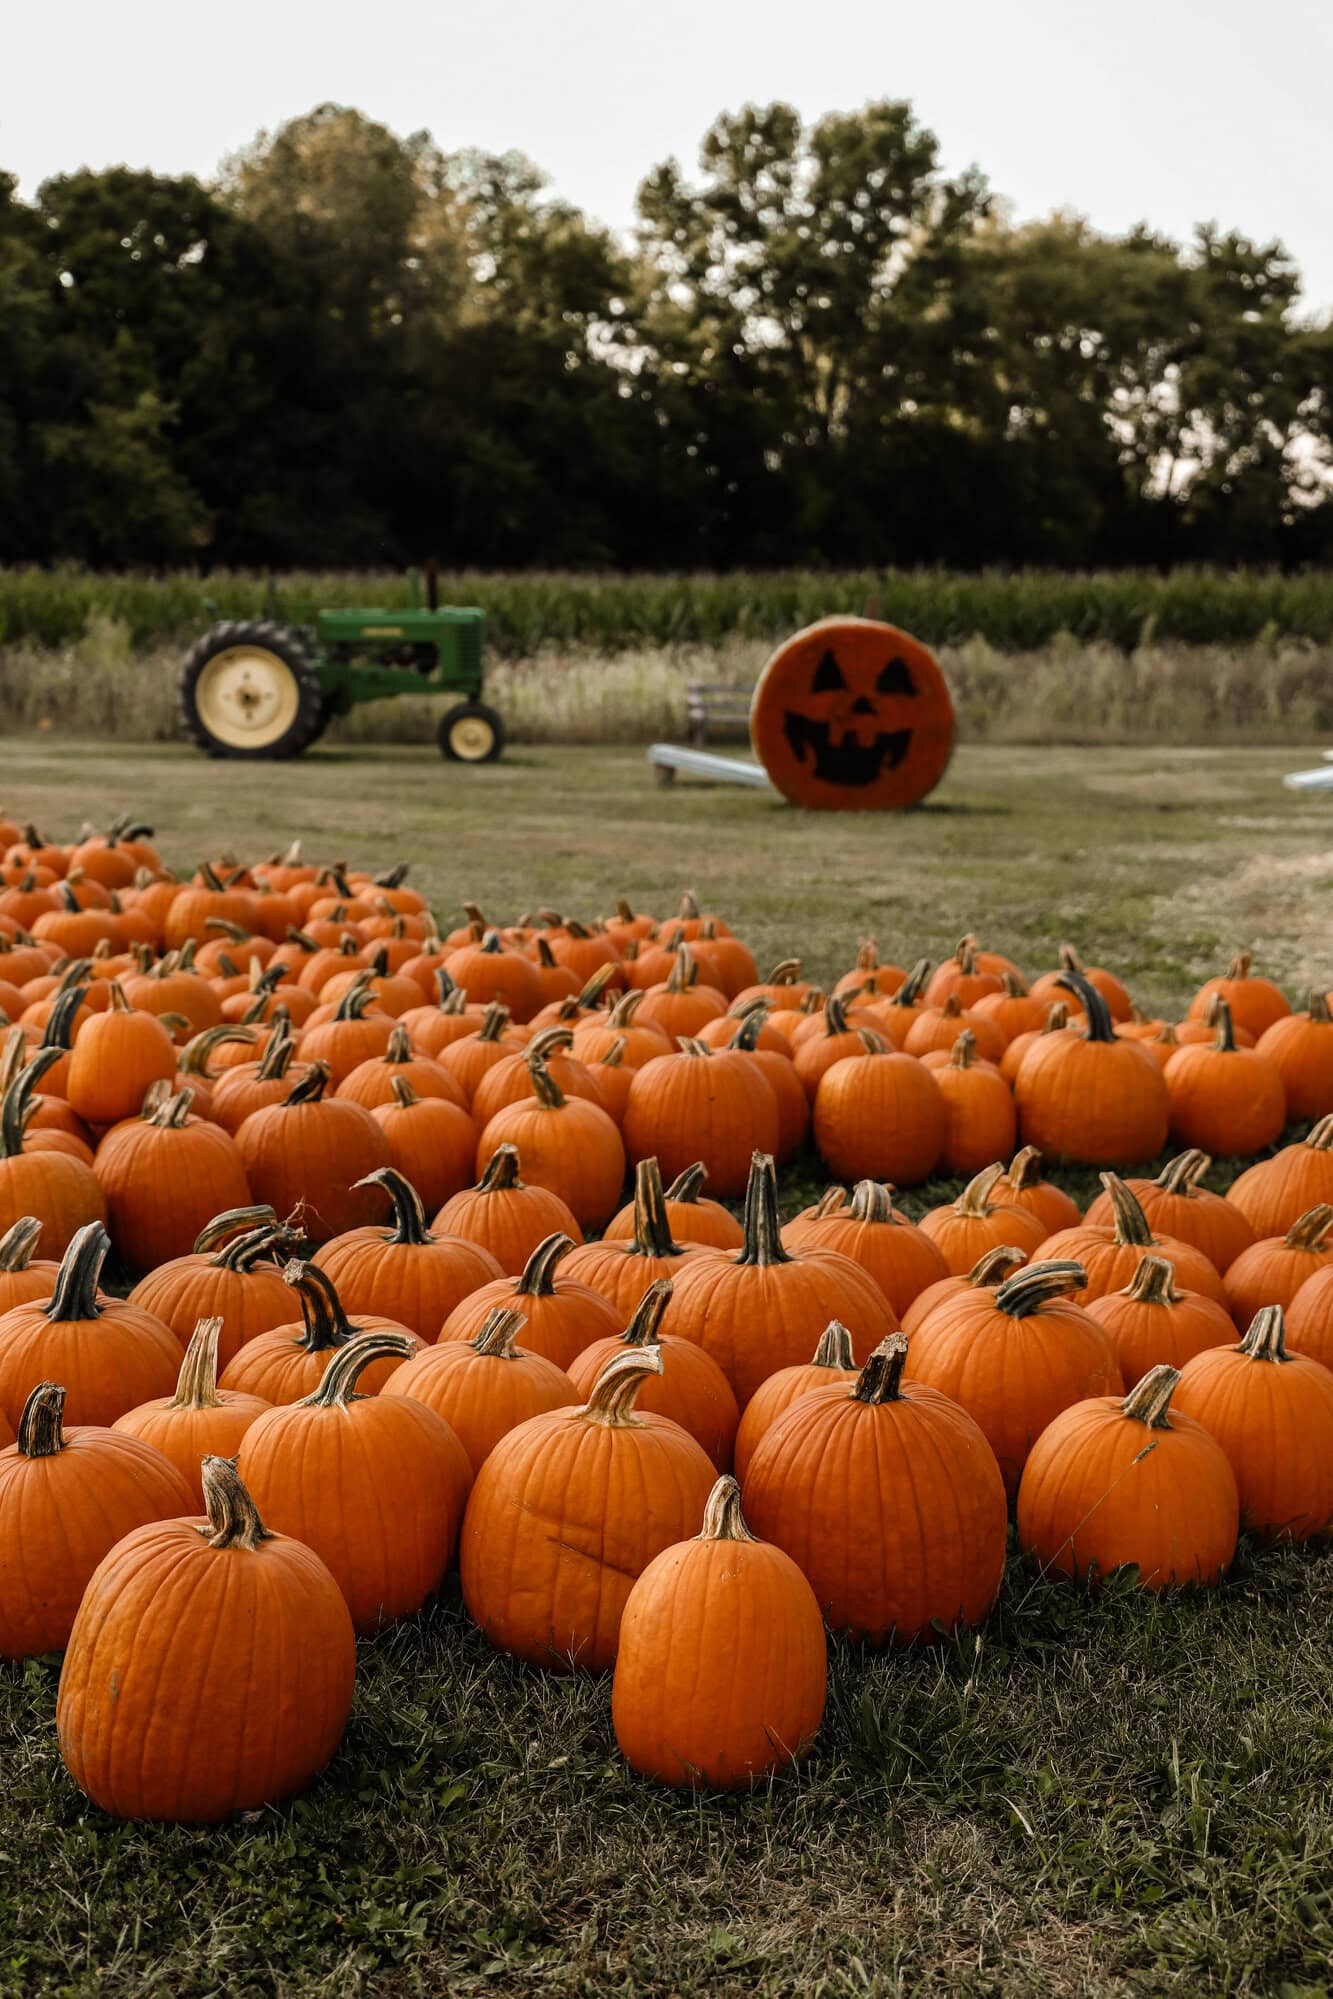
{"x":1093,"y":1797}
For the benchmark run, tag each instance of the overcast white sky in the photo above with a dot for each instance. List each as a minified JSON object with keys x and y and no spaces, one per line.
{"x":1171,"y":110}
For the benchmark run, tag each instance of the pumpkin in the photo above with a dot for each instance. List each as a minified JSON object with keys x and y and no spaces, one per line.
{"x":870,"y":974}
{"x":510,"y":1081}
{"x":289,"y":1362}
{"x":372,"y":1082}
{"x":1023,"y":1187}
{"x":1093,"y":1097}
{"x":22,"y":1280}
{"x":1272,"y":1413}
{"x":1278,"y":1191}
{"x":312,"y":1155}
{"x":1174,"y":1204}
{"x":712,"y":1105}
{"x":981,"y":1122}
{"x":561,"y":1315}
{"x":415,"y":1275}
{"x":567,"y":1512}
{"x":1309,"y":1317}
{"x":1110,"y":1251}
{"x":852,"y":715}
{"x":164,"y":1176}
{"x":691,"y":1215}
{"x":250,"y":1086}
{"x":596,"y":1034}
{"x":1255,"y":1002}
{"x":691,"y":1388}
{"x":432,"y":1029}
{"x":887,"y":1497}
{"x":1048,"y":986}
{"x":350,"y":1035}
{"x":1113,"y":1482}
{"x":899,"y":1256}
{"x":567,"y":1144}
{"x":980,"y":1219}
{"x":109,"y":1353}
{"x":432,"y":1142}
{"x":780,"y":1075}
{"x":506,"y":1215}
{"x":66,"y":1498}
{"x":112,"y":1066}
{"x":621,"y":1270}
{"x":232,"y":1273}
{"x":53,"y":1188}
{"x":832,"y":1039}
{"x":936,"y":1029}
{"x":1056,"y":1022}
{"x":963,"y":978}
{"x":370,"y":1482}
{"x":1300,"y":1047}
{"x":487,"y":971}
{"x":1014,"y":1010}
{"x":894,"y":1015}
{"x":483,"y":1387}
{"x":200,"y":1419}
{"x":831,"y":1361}
{"x":1224,"y":1098}
{"x":721,"y":1671}
{"x":752,"y":1309}
{"x":1151,"y":1321}
{"x":178,"y":1697}
{"x":679,"y":1005}
{"x":1272,"y":1270}
{"x":879,"y":1116}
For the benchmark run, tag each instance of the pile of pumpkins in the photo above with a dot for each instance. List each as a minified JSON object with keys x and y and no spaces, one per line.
{"x":392,"y":1311}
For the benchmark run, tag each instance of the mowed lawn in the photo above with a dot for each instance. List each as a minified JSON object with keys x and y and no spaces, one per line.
{"x":1088,"y":1797}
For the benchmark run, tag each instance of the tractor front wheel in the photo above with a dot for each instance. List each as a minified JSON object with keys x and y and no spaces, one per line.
{"x":471,"y":733}
{"x":250,"y":690}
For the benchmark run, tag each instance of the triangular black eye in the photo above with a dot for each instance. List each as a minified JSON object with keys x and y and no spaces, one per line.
{"x":828,"y":677}
{"x":895,"y":679}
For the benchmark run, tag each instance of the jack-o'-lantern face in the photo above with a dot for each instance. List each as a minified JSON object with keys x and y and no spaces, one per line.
{"x":852,"y":715}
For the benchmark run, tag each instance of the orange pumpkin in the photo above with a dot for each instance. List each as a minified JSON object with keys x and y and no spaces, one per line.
{"x":561,"y":1315}
{"x":312,"y":1155}
{"x":232,"y":1273}
{"x":485,"y":1386}
{"x":1151,"y":1321}
{"x":831,"y":1361}
{"x":1175,"y":1204}
{"x":879,"y":1116}
{"x":1093,"y":1097}
{"x":506,"y":1215}
{"x":289,"y":1362}
{"x":200,"y":1418}
{"x":705,"y":1104}
{"x":415,"y":1275}
{"x":1272,"y":1270}
{"x":1255,"y":1002}
{"x":1224,"y":1098}
{"x":1278,"y":1191}
{"x":868,"y":1228}
{"x":1111,"y":1251}
{"x":164,"y":1175}
{"x":979,"y":1220}
{"x":1300,"y":1047}
{"x":1024,"y":1187}
{"x":691,"y":1388}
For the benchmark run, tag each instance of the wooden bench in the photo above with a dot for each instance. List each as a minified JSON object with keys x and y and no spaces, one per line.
{"x":719,"y":708}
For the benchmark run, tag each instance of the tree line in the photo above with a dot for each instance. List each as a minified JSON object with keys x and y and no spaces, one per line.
{"x":353,"y":348}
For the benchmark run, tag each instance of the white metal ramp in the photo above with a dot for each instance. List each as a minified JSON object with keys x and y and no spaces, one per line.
{"x":668,"y":758}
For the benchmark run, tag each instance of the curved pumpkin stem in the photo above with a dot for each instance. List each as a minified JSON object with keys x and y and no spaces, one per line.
{"x":687,"y":1185}
{"x":544,"y":1086}
{"x":311,"y":1086}
{"x":18,"y":1243}
{"x":359,"y":995}
{"x":16,"y":1108}
{"x":338,"y":1383}
{"x":616,"y":1388}
{"x":909,"y":992}
{"x":1241,"y":965}
{"x":233,"y":1517}
{"x":194,"y":1057}
{"x":60,"y":1021}
{"x":1149,"y":1400}
{"x":166,"y":1112}
{"x":761,"y":1225}
{"x":1100,"y":1025}
{"x":197,"y":1382}
{"x":538,"y":1278}
{"x":498,"y":1334}
{"x":834,"y":1348}
{"x":835,"y":1015}
{"x":1131,"y":1224}
{"x":1320,"y":1136}
{"x":232,"y":1222}
{"x":1310,"y":1230}
{"x":643,"y":1326}
{"x":872,"y":1201}
{"x":1024,"y":1170}
{"x":879,"y":1379}
{"x":262,"y":1245}
{"x":723,"y":1519}
{"x":751,"y":1026}
{"x":975,"y":1199}
{"x":1153,"y":1283}
{"x":409,"y":1213}
{"x":995,"y":1266}
{"x":832,"y":1201}
{"x":1226,"y":1036}
{"x":964,"y":1051}
{"x":1037,"y":1285}
{"x":41,"y":1432}
{"x":75,"y":1293}
{"x":652,"y":1223}
{"x":502,"y":1171}
{"x":1182,"y":1174}
{"x":326,"y":1322}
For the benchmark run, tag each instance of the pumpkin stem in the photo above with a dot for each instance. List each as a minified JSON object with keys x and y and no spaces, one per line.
{"x":544,"y":1086}
{"x":1070,"y":960}
{"x":60,"y":1020}
{"x":751,"y":1026}
{"x":409,"y":1213}
{"x":687,"y":1185}
{"x":951,"y":1007}
{"x":835,"y":1015}
{"x":1318,"y":1008}
{"x":261,"y":1245}
{"x":197,"y":1382}
{"x":18,"y":1243}
{"x":1024,"y":1170}
{"x":194,"y":1056}
{"x":538,"y":1278}
{"x":1241,"y":965}
{"x":834,"y":1348}
{"x":1057,"y":1018}
{"x":233,"y":1222}
{"x":356,"y":999}
{"x":276,"y":1059}
{"x":684,"y":972}
{"x":1309,"y":1232}
{"x":400,"y":1046}
{"x":1100,"y":1025}
{"x":1226,"y":1038}
{"x":1149,"y":1400}
{"x":41,"y":1434}
{"x":233,"y":1517}
{"x":494,"y":1022}
{"x":964,"y":1052}
{"x":909,"y":992}
{"x":311,"y":1086}
{"x":550,"y":1041}
{"x":831,"y":1202}
{"x":616,"y":1388}
{"x":872,"y":1201}
{"x":723,"y":1519}
{"x":996,"y":1265}
{"x":326,"y":1323}
{"x":622,"y":1013}
{"x":75,"y":1293}
{"x":786,"y":972}
{"x":1267,"y":1336}
{"x":975,"y":1199}
{"x":165,"y":1111}
{"x":879,"y":1378}
{"x":1131,"y":1224}
{"x":1036,"y":1285}
{"x":762,"y":1228}
{"x":502,"y":1171}
{"x":1153,"y":1283}
{"x":642,"y":1328}
{"x":338,"y":1383}
{"x":1320,"y":1136}
{"x":499,"y":1333}
{"x":1014,"y":987}
{"x":1182,"y":1174}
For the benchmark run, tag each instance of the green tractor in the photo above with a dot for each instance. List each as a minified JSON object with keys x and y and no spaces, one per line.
{"x":257,"y":688}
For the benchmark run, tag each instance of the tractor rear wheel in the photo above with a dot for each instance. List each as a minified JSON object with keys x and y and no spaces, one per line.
{"x":470,"y":733}
{"x":250,"y":690}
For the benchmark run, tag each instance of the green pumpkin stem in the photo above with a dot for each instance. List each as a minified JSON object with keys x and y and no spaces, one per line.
{"x":75,"y":1292}
{"x":761,"y":1225}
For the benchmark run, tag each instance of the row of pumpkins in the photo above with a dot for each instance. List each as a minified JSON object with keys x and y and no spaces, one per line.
{"x":565,"y":1416}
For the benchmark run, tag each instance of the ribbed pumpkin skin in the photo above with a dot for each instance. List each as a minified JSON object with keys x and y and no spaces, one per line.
{"x":621,"y":1275}
{"x":186,"y":1736}
{"x":416,"y":1285}
{"x":1224,"y":1101}
{"x":573,"y":1149}
{"x":721,"y":1672}
{"x":1274,"y":1420}
{"x":896,"y":1524}
{"x":1146,"y":1335}
{"x":1310,"y":1318}
{"x":1209,"y":1222}
{"x":880,"y":1117}
{"x":509,"y":1222}
{"x":900,"y":1257}
{"x":961,"y":1238}
{"x":107,"y":1364}
{"x":482,"y":1396}
{"x":718,"y":1108}
{"x":559,"y":1325}
{"x":279,"y":1368}
{"x":1278,"y":1191}
{"x":1101,"y":1102}
{"x":700,"y":1221}
{"x":1255,"y":1002}
{"x":432,"y":1143}
{"x":186,"y":1436}
{"x":1093,"y":1494}
{"x":771,"y":1401}
{"x":691,"y":1389}
{"x":1300,"y":1046}
{"x":60,"y":1515}
{"x":310,"y":1155}
{"x":563,"y":1518}
{"x":1271,"y":1273}
{"x":59,"y":1190}
{"x":1111,"y":1265}
{"x":163,"y":1185}
{"x":116,"y":1056}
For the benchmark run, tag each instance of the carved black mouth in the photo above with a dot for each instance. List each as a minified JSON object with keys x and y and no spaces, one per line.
{"x":846,"y":761}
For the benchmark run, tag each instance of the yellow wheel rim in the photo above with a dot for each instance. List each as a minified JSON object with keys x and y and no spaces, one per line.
{"x":471,"y":738}
{"x":247,"y":697}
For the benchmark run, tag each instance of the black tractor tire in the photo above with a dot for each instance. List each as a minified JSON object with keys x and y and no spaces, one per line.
{"x":277,"y":691}
{"x":462,"y":734}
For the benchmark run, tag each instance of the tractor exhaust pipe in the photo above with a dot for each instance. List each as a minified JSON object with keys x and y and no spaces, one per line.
{"x":432,"y":585}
